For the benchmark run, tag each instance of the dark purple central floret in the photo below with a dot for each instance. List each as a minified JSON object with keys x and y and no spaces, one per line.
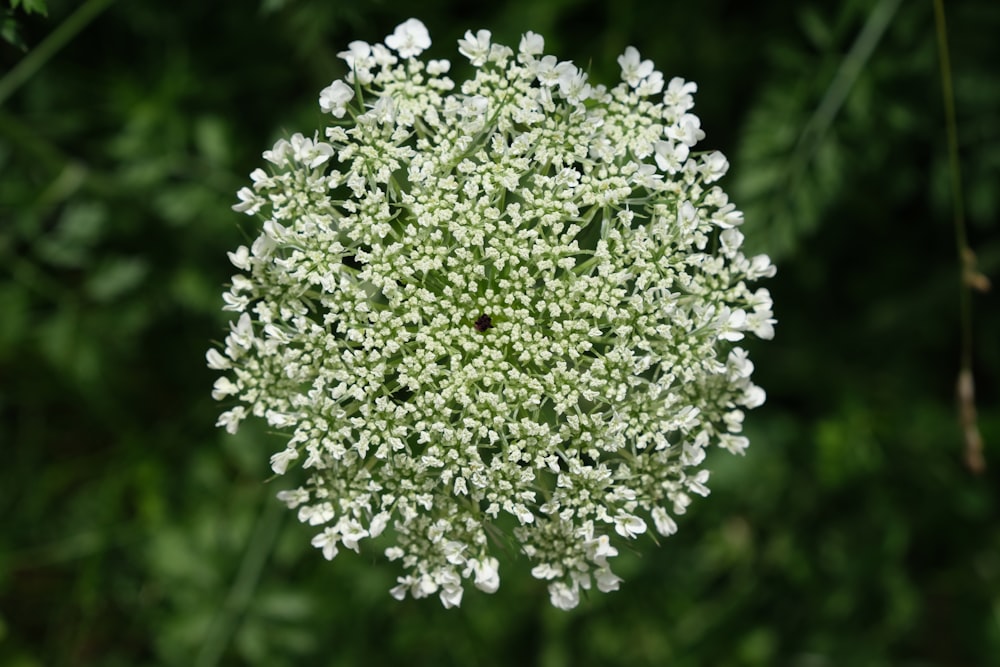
{"x":483,"y":323}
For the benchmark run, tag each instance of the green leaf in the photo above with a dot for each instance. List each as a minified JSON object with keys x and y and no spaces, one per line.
{"x":80,"y":228}
{"x":115,"y":277}
{"x":10,"y":33}
{"x":31,"y":6}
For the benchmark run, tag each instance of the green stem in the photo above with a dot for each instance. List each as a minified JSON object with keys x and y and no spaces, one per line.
{"x":954,"y":169}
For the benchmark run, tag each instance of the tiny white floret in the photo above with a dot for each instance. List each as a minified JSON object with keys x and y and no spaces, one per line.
{"x":409,"y":39}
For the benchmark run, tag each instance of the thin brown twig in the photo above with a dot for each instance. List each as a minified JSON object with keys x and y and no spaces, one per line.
{"x":971,"y":278}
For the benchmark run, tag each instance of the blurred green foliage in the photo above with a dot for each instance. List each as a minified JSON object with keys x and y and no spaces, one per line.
{"x":9,"y":26}
{"x":134,"y":533}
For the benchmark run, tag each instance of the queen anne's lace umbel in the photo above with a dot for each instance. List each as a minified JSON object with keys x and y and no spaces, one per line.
{"x":502,"y":312}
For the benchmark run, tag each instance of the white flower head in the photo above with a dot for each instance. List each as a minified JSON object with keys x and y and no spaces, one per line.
{"x":241,"y":258}
{"x":607,"y":581}
{"x":487,"y":574}
{"x":327,"y":543}
{"x":476,"y":47}
{"x":409,"y":39}
{"x":278,"y":154}
{"x":357,"y":54}
{"x":665,"y":526}
{"x":250,"y":202}
{"x":280,"y":461}
{"x":438,"y":67}
{"x":505,"y":304}
{"x":670,"y":157}
{"x":564,"y":596}
{"x":532,"y":44}
{"x":629,"y":525}
{"x":334,"y":98}
{"x":360,"y":61}
{"x":714,"y":166}
{"x":634,"y":69}
{"x":679,"y":95}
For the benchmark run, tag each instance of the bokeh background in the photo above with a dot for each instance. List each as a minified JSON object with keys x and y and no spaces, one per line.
{"x":133,"y":532}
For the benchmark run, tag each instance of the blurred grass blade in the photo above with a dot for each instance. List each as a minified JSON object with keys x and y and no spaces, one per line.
{"x":844,"y":80}
{"x":254,"y":558}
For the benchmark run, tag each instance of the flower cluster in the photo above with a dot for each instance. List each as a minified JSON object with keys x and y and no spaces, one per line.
{"x":499,"y":312}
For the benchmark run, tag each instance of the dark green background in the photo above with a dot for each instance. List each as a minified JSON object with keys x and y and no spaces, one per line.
{"x":132,"y":532}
